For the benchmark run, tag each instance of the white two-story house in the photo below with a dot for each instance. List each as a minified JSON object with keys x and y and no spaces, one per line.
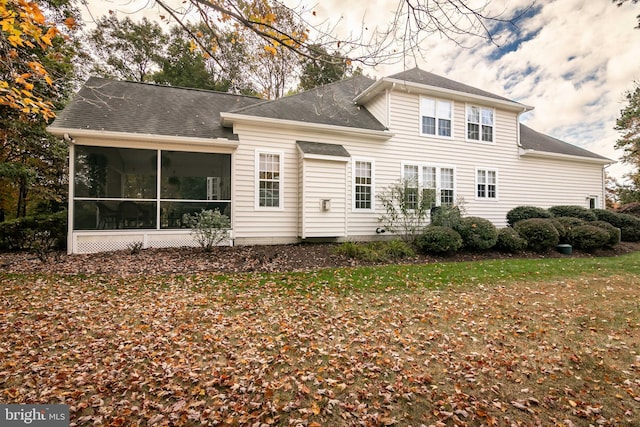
{"x":305,"y":166}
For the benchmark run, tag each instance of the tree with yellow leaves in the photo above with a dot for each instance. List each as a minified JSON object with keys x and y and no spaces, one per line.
{"x":37,"y":51}
{"x":23,"y":27}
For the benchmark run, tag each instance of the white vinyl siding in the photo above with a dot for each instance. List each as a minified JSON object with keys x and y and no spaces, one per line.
{"x":486,"y":184}
{"x":436,"y":117}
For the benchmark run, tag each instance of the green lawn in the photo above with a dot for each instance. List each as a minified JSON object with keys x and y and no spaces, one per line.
{"x":545,"y":341}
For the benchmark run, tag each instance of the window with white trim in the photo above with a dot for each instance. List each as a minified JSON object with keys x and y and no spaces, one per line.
{"x":480,"y":123}
{"x":435,"y":117}
{"x":363,"y":184}
{"x":269,"y":179}
{"x":486,"y":184}
{"x":437,"y":183}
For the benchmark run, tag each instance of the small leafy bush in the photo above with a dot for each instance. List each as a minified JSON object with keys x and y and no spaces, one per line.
{"x":510,"y":241}
{"x":398,"y":249}
{"x":573,"y":211}
{"x":560,"y":227}
{"x":588,"y":237}
{"x":446,"y":216}
{"x":539,"y":233}
{"x":478,"y":234}
{"x":37,"y":233}
{"x":209,"y":227}
{"x":629,"y":227}
{"x":567,"y":223}
{"x":436,"y":239}
{"x":376,"y":251}
{"x":520,"y":213}
{"x":614,"y":232}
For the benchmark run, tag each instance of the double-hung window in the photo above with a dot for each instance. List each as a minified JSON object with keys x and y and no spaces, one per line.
{"x":486,"y":184}
{"x":436,"y":183}
{"x":480,"y":123}
{"x":363,"y":184}
{"x":269,"y":182}
{"x":435,"y":117}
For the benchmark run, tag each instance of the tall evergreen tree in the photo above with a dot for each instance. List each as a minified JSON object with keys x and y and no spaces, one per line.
{"x":628,"y":124}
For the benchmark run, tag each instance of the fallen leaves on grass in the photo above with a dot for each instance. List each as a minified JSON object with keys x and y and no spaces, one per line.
{"x":283,"y":350}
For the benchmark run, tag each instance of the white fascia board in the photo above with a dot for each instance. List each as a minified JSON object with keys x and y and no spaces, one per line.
{"x":70,"y":133}
{"x":560,"y":156}
{"x":438,"y":91}
{"x":229,"y":119}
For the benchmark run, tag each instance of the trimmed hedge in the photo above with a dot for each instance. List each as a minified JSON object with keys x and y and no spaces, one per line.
{"x":478,"y":234}
{"x":436,"y":239}
{"x":510,"y":241}
{"x":34,"y":232}
{"x":539,"y":233}
{"x":614,"y":232}
{"x":588,"y":237}
{"x":573,"y":211}
{"x":520,"y":213}
{"x":629,"y":225}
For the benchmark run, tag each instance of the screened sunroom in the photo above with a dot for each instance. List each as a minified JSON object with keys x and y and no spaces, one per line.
{"x":123,"y":192}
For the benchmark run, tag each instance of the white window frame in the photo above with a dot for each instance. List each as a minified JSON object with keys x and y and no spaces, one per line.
{"x":596,"y":201}
{"x":438,"y":170}
{"x":280,"y":180}
{"x":372,"y":185}
{"x":437,"y":117}
{"x":480,"y":124}
{"x":486,"y":184}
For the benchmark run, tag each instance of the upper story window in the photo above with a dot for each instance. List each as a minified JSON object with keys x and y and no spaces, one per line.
{"x":486,"y":184}
{"x":480,"y":123}
{"x":435,"y":116}
{"x":363,"y":184}
{"x":269,"y":180}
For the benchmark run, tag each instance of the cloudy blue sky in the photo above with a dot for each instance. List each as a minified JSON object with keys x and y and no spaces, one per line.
{"x":572,"y":60}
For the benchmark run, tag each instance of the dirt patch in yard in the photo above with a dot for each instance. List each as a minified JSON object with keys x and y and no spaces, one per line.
{"x":268,"y":258}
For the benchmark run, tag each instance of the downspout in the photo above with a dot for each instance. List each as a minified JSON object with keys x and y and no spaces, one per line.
{"x":72,"y":172}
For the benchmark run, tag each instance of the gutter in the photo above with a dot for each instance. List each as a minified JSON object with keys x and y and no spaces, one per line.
{"x":72,"y":133}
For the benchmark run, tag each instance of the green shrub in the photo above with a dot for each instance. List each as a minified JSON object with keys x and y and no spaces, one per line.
{"x":605,"y":215}
{"x":209,"y":227}
{"x":520,"y":213}
{"x":629,"y":226}
{"x":510,"y":241}
{"x":562,"y":231}
{"x":376,"y":251}
{"x":588,"y":237}
{"x":436,"y":239}
{"x":573,"y":211}
{"x":397,"y":249}
{"x":478,"y":234}
{"x":539,"y":233}
{"x":38,"y":233}
{"x":567,"y":223}
{"x":349,"y":249}
{"x":614,"y":232}
{"x":445,"y":216}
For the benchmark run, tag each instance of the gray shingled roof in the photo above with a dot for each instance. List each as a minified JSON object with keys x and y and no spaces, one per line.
{"x":331,"y":104}
{"x":118,"y":106}
{"x":534,"y":140}
{"x":416,"y":75}
{"x":323,"y":149}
